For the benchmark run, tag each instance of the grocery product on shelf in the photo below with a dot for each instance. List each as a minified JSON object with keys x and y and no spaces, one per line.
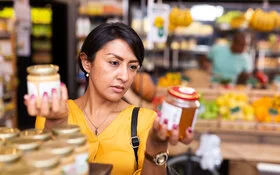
{"x":179,"y":17}
{"x":263,"y":21}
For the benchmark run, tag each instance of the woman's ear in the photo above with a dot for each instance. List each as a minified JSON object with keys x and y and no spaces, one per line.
{"x":85,"y":62}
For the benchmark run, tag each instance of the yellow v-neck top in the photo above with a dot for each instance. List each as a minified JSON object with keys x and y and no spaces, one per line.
{"x":112,"y":145}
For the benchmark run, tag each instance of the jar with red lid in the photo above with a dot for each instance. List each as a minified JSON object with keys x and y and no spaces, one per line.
{"x":180,"y":107}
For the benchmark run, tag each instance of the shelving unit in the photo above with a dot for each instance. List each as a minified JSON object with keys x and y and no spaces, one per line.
{"x":41,"y":35}
{"x":8,"y":73}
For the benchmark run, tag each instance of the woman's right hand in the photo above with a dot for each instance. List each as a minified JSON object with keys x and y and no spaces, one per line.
{"x":57,"y":109}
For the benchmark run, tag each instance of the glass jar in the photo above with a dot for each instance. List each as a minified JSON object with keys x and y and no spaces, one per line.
{"x":65,"y":129}
{"x":8,"y":133}
{"x":42,"y":79}
{"x":24,"y":144}
{"x":79,"y":141}
{"x":20,"y":168}
{"x":180,"y":108}
{"x":37,"y":134}
{"x":43,"y":160}
{"x":61,"y":148}
{"x":9,"y":154}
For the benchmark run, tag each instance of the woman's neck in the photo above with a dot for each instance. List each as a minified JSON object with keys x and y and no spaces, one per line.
{"x":97,"y":104}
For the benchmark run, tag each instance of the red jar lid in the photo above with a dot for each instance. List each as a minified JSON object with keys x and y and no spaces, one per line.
{"x":185,"y":93}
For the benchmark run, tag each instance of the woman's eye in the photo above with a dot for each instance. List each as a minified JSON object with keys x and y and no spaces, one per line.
{"x":114,"y":63}
{"x":133,"y":67}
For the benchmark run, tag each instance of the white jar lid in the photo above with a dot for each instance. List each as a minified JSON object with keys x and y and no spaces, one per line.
{"x":75,"y":139}
{"x":34,"y":133}
{"x":9,"y":154}
{"x":58,"y":147}
{"x":24,"y":144}
{"x":41,"y":159}
{"x":8,"y":133}
{"x":66,"y":129}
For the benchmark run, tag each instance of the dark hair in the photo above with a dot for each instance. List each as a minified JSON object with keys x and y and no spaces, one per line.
{"x":107,"y":32}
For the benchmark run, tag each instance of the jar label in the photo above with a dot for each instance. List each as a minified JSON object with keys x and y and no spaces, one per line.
{"x":43,"y":87}
{"x":170,"y":113}
{"x":81,"y":163}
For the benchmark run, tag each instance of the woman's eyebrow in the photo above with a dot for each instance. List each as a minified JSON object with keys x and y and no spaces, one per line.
{"x":121,"y":58}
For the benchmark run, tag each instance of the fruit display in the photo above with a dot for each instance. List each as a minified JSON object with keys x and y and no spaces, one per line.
{"x":264,"y":21}
{"x":101,"y":8}
{"x":179,"y":17}
{"x":170,"y":79}
{"x":208,"y":109}
{"x":238,"y":22}
{"x":235,"y":106}
{"x":267,"y":109}
{"x":228,"y":16}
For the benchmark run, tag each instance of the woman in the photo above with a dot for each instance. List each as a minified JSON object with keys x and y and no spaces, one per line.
{"x":110,"y":57}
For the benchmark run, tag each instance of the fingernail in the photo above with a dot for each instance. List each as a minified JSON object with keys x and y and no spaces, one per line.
{"x":175,"y":126}
{"x":32,"y":97}
{"x":159,"y":113}
{"x":62,"y":84}
{"x":45,"y":94}
{"x":165,"y":121}
{"x":53,"y":90}
{"x":190,"y":130}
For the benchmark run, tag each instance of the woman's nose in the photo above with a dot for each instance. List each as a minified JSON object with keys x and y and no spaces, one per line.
{"x":123,"y":74}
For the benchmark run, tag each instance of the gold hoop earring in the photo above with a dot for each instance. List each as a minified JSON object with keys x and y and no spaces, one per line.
{"x":87,"y":74}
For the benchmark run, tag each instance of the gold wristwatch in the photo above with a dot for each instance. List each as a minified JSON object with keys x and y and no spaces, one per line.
{"x":158,"y":159}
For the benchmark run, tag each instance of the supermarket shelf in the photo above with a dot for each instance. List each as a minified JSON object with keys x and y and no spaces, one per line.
{"x":102,"y":16}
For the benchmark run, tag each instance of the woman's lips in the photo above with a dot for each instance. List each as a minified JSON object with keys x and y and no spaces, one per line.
{"x":118,"y":89}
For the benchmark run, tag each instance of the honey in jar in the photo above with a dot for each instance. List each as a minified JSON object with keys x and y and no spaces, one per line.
{"x":42,"y":79}
{"x":180,"y":107}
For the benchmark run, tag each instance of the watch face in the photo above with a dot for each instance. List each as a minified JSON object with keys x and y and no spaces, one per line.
{"x":161,"y":158}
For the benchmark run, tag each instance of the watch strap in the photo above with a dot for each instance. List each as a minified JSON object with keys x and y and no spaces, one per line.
{"x":159,"y":159}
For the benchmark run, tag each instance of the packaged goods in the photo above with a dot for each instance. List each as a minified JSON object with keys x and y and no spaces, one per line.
{"x":20,"y":168}
{"x":180,"y":108}
{"x":8,"y":133}
{"x":61,"y":148}
{"x":24,"y":144}
{"x":65,"y":129}
{"x":43,"y":79}
{"x":46,"y":162}
{"x":37,"y":134}
{"x":79,"y":141}
{"x":9,"y":154}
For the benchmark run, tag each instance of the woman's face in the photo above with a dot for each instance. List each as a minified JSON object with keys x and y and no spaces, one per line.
{"x":113,"y":70}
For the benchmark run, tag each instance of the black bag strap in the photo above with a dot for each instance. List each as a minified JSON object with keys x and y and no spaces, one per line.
{"x":135,"y":141}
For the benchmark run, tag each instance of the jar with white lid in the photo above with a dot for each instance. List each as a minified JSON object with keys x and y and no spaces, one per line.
{"x":42,"y":79}
{"x":61,"y":148}
{"x":65,"y":129}
{"x":37,"y":134}
{"x":180,"y":108}
{"x":43,"y":160}
{"x":20,"y":168}
{"x":9,"y":155}
{"x":81,"y":152}
{"x":24,"y":144}
{"x":8,"y":133}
